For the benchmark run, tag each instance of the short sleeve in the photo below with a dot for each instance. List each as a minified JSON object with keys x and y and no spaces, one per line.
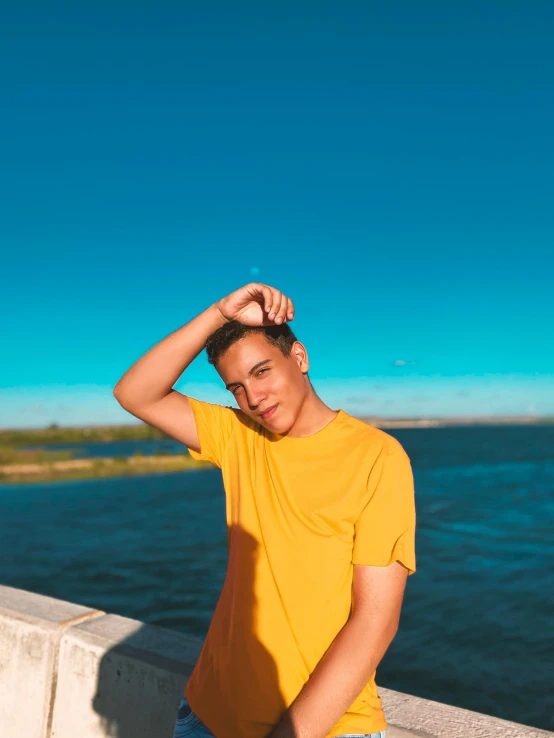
{"x":214,"y":425}
{"x":385,"y":529}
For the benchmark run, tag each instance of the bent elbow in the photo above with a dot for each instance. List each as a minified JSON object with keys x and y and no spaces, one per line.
{"x":118,"y":394}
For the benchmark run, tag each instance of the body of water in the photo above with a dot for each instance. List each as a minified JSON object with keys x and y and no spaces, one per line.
{"x":477,"y":623}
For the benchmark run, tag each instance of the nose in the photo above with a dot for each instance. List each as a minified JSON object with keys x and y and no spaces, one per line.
{"x":255,"y":399}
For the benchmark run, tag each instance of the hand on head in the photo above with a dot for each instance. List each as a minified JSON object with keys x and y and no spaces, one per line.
{"x":257,"y":304}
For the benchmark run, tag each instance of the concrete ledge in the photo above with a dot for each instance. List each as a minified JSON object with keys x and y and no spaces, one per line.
{"x":121,"y":677}
{"x":408,"y":715}
{"x":31,"y":626}
{"x":68,"y":670}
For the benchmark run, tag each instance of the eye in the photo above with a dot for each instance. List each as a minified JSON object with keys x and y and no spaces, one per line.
{"x":261,"y":371}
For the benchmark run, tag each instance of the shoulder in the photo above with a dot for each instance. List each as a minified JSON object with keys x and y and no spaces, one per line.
{"x":373,"y":437}
{"x":243,"y":422}
{"x":219,"y":417}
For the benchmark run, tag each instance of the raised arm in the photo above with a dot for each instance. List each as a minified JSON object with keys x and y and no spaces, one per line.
{"x":146,"y":389}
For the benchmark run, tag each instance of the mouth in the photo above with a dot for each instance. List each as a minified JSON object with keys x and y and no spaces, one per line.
{"x":268,"y":413}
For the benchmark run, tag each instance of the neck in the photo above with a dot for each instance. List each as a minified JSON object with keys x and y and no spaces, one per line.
{"x":313,"y":416}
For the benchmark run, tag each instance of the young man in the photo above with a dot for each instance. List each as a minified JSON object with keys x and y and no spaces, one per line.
{"x":321,"y":529}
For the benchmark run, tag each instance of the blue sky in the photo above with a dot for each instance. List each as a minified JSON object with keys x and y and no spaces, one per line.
{"x":388,"y":166}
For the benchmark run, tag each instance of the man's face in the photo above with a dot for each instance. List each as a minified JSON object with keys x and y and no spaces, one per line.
{"x":259,"y":377}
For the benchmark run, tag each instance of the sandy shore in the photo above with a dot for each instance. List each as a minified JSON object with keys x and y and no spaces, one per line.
{"x":451,"y":422}
{"x":98,"y":467}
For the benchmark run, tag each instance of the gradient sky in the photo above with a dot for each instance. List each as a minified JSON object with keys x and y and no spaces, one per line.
{"x":388,"y":166}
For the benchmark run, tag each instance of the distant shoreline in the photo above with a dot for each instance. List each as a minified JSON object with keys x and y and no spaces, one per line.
{"x":25,"y":456}
{"x":458,"y":421}
{"x":137,"y":430}
{"x":97,"y":468}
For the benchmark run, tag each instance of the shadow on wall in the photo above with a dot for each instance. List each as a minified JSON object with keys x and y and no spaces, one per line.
{"x":142,"y":678}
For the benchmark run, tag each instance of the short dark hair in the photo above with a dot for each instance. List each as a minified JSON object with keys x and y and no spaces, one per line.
{"x":224,"y":337}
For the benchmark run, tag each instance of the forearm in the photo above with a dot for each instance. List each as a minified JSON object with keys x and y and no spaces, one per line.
{"x":337,"y":680}
{"x":152,"y":377}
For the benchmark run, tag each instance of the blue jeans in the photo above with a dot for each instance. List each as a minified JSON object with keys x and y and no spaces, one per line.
{"x":189,"y":725}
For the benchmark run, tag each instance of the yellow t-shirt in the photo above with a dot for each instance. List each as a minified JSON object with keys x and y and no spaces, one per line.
{"x":300,"y":513}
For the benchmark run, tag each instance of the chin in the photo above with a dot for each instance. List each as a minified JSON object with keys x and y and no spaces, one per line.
{"x":281,"y":428}
{"x":274,"y":428}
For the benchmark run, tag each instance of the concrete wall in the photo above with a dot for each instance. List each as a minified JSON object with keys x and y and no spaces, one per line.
{"x":67,"y":670}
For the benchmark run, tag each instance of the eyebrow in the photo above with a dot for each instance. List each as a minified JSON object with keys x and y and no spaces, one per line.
{"x":250,"y":373}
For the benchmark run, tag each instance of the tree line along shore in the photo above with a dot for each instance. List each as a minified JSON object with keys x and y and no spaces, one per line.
{"x":55,"y":469}
{"x":19,"y":464}
{"x":55,"y":434}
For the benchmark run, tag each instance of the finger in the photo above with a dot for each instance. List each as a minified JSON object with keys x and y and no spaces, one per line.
{"x":282,"y":313}
{"x":266,"y":292}
{"x":275,"y":304}
{"x":277,"y":300}
{"x":290,"y":309}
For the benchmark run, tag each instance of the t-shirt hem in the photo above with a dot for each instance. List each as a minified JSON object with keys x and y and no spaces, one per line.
{"x":362,"y":561}
{"x":192,"y":703}
{"x":357,"y":730}
{"x":334,"y":733}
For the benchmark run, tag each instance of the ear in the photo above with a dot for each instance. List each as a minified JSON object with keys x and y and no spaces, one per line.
{"x":301,"y":356}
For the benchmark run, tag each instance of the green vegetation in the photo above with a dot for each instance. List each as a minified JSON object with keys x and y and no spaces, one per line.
{"x":14,"y":455}
{"x":52,"y":468}
{"x":142,"y":431}
{"x":84,"y":434}
{"x":18,"y":464}
{"x":42,"y":465}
